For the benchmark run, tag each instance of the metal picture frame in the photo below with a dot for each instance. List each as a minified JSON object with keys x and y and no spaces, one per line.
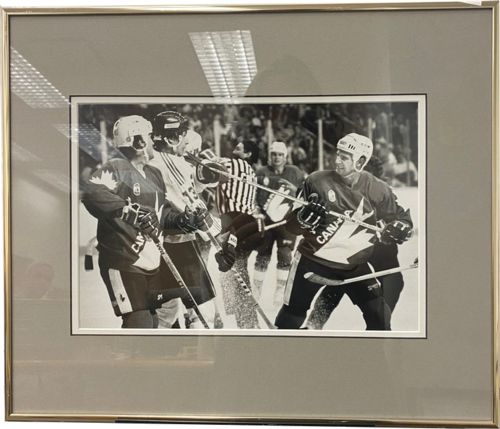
{"x":36,"y":89}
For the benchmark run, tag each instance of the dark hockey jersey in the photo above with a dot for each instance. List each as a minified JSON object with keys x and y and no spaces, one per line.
{"x":276,"y":207}
{"x":339,"y":243}
{"x":120,"y":245}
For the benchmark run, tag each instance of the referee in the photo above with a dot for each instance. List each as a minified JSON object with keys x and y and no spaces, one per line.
{"x":234,"y":196}
{"x":236,"y":204}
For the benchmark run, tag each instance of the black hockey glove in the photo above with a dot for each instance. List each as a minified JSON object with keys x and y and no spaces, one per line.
{"x":149,"y":225}
{"x":208,"y":172}
{"x":227,"y":255}
{"x":190,"y":221}
{"x":313,"y":214}
{"x":396,"y":232}
{"x":141,"y":218}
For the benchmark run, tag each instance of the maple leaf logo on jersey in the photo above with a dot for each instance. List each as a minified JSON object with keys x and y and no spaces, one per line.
{"x":343,"y":239}
{"x":105,"y":179}
{"x":158,"y":207}
{"x":276,"y":207}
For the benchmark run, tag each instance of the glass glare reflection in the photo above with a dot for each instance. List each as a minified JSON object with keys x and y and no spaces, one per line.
{"x":228,"y":61}
{"x":31,"y":86}
{"x":22,"y":154}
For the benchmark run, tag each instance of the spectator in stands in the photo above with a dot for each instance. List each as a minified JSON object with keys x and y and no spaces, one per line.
{"x":384,"y":151}
{"x":405,"y":171}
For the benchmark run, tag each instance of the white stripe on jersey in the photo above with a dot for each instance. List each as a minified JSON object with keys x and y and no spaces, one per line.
{"x":234,"y":184}
{"x":121,"y":296}
{"x":234,"y":195}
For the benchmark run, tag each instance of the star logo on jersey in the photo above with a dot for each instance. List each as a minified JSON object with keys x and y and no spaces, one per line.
{"x":348,"y":237}
{"x":106,"y":179}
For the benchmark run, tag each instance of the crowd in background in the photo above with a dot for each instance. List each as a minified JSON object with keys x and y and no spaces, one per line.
{"x":392,"y":127}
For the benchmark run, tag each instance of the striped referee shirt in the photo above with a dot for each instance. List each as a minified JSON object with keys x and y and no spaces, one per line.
{"x":236,"y":196}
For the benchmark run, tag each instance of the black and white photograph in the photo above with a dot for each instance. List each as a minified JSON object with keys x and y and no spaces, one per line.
{"x":288,"y":216}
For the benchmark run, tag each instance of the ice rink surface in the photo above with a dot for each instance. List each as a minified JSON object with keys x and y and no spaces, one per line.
{"x":95,"y":312}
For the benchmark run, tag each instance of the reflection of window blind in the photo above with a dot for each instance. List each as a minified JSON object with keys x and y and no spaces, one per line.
{"x":227,"y":59}
{"x":31,"y":86}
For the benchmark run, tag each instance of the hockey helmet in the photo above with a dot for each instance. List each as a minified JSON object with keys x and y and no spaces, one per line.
{"x":193,"y":142}
{"x":358,"y":146}
{"x":168,"y":128}
{"x":131,"y":132}
{"x":278,"y":147}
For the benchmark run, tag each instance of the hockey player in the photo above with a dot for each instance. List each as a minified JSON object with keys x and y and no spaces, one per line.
{"x":384,"y":257}
{"x":284,"y":178}
{"x":127,"y":196}
{"x":338,"y":249}
{"x":184,"y":182}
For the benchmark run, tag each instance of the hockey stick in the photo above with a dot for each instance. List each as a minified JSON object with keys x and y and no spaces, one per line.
{"x":274,"y":225}
{"x":281,"y":194}
{"x":316,"y":278}
{"x":244,"y":286}
{"x":180,"y":181}
{"x":178,"y":279}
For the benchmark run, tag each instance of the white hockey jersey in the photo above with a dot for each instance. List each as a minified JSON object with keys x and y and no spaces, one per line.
{"x":182,"y":189}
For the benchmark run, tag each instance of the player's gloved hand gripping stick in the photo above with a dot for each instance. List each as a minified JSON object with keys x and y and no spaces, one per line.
{"x":397,"y":232}
{"x":311,"y":215}
{"x":141,"y":218}
{"x":226,"y":253}
{"x":191,"y":220}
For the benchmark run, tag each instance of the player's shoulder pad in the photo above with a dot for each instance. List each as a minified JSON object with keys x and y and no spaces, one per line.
{"x":301,"y":174}
{"x":118,"y":163}
{"x":316,"y":178}
{"x":155,"y":170}
{"x":378,"y":188}
{"x":294,"y":168}
{"x":262,"y":171}
{"x":318,"y":175}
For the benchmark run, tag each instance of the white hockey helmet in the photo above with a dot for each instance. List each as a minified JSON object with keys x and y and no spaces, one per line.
{"x":358,"y":146}
{"x":128,"y":128}
{"x":278,"y":147}
{"x":194,"y":141}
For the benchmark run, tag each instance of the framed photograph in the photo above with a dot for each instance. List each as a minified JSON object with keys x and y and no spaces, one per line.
{"x":300,"y":130}
{"x":252,"y":205}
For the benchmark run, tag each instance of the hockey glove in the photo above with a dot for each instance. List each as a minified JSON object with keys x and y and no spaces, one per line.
{"x":227,"y":255}
{"x":141,"y":218}
{"x":190,"y":221}
{"x":149,"y":225}
{"x":208,"y":154}
{"x":396,"y":232}
{"x":313,"y":214}
{"x":208,"y":172}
